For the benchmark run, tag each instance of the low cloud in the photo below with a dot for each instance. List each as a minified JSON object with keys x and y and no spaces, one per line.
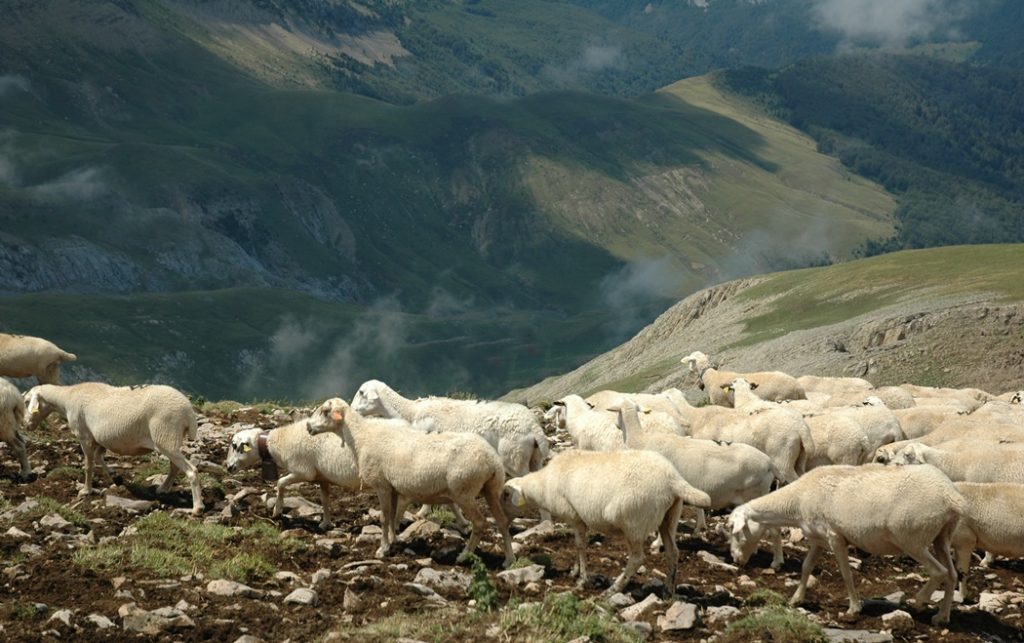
{"x":628,"y":293}
{"x":11,"y":84}
{"x":591,"y":60}
{"x":82,"y":184}
{"x":890,"y":23}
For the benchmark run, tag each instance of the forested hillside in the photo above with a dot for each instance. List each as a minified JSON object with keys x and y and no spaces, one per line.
{"x":945,"y":137}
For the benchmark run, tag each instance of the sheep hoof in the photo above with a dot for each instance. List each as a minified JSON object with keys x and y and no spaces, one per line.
{"x":84,"y":492}
{"x":326,"y":525}
{"x":939,"y":619}
{"x":27,"y":477}
{"x":118,"y":480}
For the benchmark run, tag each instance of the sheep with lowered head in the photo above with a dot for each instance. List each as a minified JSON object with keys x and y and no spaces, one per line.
{"x":24,"y":356}
{"x":306,"y":458}
{"x":620,"y":493}
{"x":128,"y":421}
{"x":398,"y":462}
{"x":12,"y":414}
{"x":994,"y":521}
{"x":881,"y":510}
{"x":774,"y":386}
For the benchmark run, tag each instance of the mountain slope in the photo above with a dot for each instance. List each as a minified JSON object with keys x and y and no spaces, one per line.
{"x":944,"y":316}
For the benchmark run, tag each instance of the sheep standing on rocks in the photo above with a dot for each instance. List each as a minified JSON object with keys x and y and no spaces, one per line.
{"x":423,"y":467}
{"x":511,"y":429}
{"x":619,"y":493}
{"x":730,"y":474}
{"x":994,"y":521}
{"x":128,"y":421}
{"x":774,"y":386}
{"x":23,"y":356}
{"x":307,"y":458}
{"x":881,"y":510}
{"x":12,"y":415}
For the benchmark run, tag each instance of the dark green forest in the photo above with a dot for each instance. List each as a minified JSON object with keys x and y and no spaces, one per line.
{"x":947,"y":138}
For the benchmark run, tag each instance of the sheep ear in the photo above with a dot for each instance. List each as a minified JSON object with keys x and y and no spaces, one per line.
{"x":738,"y":525}
{"x":753,"y":385}
{"x":246,"y":448}
{"x":726,"y":387}
{"x":337,"y":415}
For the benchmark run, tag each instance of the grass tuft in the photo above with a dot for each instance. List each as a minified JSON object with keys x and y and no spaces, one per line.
{"x":774,"y":623}
{"x":562,"y":617}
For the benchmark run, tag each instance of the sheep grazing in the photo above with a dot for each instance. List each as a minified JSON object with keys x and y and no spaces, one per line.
{"x":128,"y":421}
{"x":424,"y":467}
{"x":590,"y":429}
{"x":619,"y":493}
{"x":23,"y":356}
{"x":12,"y":414}
{"x":307,"y":458}
{"x":729,"y":474}
{"x":994,"y":521}
{"x":653,"y":405}
{"x":774,"y":386}
{"x":881,"y":510}
{"x":511,"y":429}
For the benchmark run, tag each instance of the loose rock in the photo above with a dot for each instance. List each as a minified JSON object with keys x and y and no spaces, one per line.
{"x":302,"y":596}
{"x":680,"y":616}
{"x":641,"y":609}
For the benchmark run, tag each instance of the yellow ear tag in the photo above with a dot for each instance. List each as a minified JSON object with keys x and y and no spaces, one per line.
{"x":520,"y":501}
{"x":35,"y":410}
{"x":336,"y":416}
{"x":246,"y":448}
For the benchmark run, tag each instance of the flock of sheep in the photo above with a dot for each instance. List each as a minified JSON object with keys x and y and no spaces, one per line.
{"x":924,"y":472}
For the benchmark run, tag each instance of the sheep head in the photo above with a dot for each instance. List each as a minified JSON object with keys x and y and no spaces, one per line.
{"x":910,"y":454}
{"x":243,"y":451}
{"x":696,"y":361}
{"x":555,"y":416}
{"x":37,"y":408}
{"x":329,"y":416}
{"x":513,"y":500}
{"x":367,"y":400}
{"x":744,"y":534}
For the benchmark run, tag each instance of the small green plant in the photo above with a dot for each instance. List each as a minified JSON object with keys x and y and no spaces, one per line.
{"x":46,"y":505}
{"x":774,"y":623}
{"x":481,"y":589}
{"x":562,"y":617}
{"x":65,"y":472}
{"x":441,"y":514}
{"x":764,"y":596}
{"x":521,"y":562}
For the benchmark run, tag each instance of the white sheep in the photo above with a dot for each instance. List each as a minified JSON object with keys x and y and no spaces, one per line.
{"x":881,"y":510}
{"x":878,"y":422}
{"x":729,"y":474}
{"x":511,"y":429}
{"x":921,"y":420}
{"x":307,"y":458}
{"x":12,"y":415}
{"x":773,"y":385}
{"x":837,"y":440}
{"x":983,"y":463}
{"x":128,"y":421}
{"x":23,"y":356}
{"x":986,"y":430}
{"x":590,"y":429}
{"x":894,"y":397}
{"x":619,"y":493}
{"x":833,"y":386}
{"x":653,"y":406}
{"x":966,"y":400}
{"x":398,"y":463}
{"x":994,"y":521}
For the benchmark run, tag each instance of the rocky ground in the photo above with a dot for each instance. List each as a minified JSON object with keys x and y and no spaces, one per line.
{"x":125,"y":563}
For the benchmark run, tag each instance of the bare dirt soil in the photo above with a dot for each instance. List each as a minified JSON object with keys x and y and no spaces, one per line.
{"x":41,"y":574}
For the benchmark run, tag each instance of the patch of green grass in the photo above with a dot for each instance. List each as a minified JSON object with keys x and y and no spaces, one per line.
{"x":438,"y":625}
{"x":774,"y":623}
{"x":165,"y":546}
{"x":481,"y":589}
{"x":45,"y":506}
{"x":562,"y":617}
{"x":441,"y":514}
{"x":761,"y":597}
{"x":65,"y":472}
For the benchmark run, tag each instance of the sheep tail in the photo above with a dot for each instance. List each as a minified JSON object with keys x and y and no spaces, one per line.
{"x":67,"y":357}
{"x":690,"y":495}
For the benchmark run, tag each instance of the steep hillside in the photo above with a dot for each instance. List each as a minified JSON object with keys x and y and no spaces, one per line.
{"x":945,"y":316}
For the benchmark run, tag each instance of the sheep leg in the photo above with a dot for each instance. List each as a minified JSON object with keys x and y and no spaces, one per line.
{"x":98,"y":452}
{"x":963,"y":565}
{"x":191,"y":473}
{"x":88,"y":452}
{"x":838,"y":546}
{"x":18,"y":446}
{"x":938,"y":574}
{"x":282,"y":482}
{"x":810,"y":560}
{"x":667,"y":533}
{"x":388,"y":505}
{"x":986,"y":562}
{"x":656,"y":545}
{"x":580,"y":534}
{"x":325,"y":501}
{"x":777,"y":558}
{"x":492,"y":493}
{"x":476,"y":516}
{"x":172,"y":474}
{"x":636,"y":558}
{"x":701,"y":523}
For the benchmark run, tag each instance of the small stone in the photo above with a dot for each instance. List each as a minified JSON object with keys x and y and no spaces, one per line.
{"x":449,"y":582}
{"x":419,"y":530}
{"x":425,"y":592}
{"x":333,"y":546}
{"x":64,"y":616}
{"x":621,"y":600}
{"x":17,"y":534}
{"x":100,"y":621}
{"x":720,"y":614}
{"x":896,"y":598}
{"x":641,"y":609}
{"x":55,"y":522}
{"x":248,"y":638}
{"x":937,"y":596}
{"x":302,"y":596}
{"x":544,"y":528}
{"x":679,"y":616}
{"x":289,"y":577}
{"x":715,"y":561}
{"x":221,"y":587}
{"x":320,"y":576}
{"x":155,"y":622}
{"x":899,"y":622}
{"x":642,"y":629}
{"x":518,"y":577}
{"x":183,"y":605}
{"x":836,"y":635}
{"x":132,"y":506}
